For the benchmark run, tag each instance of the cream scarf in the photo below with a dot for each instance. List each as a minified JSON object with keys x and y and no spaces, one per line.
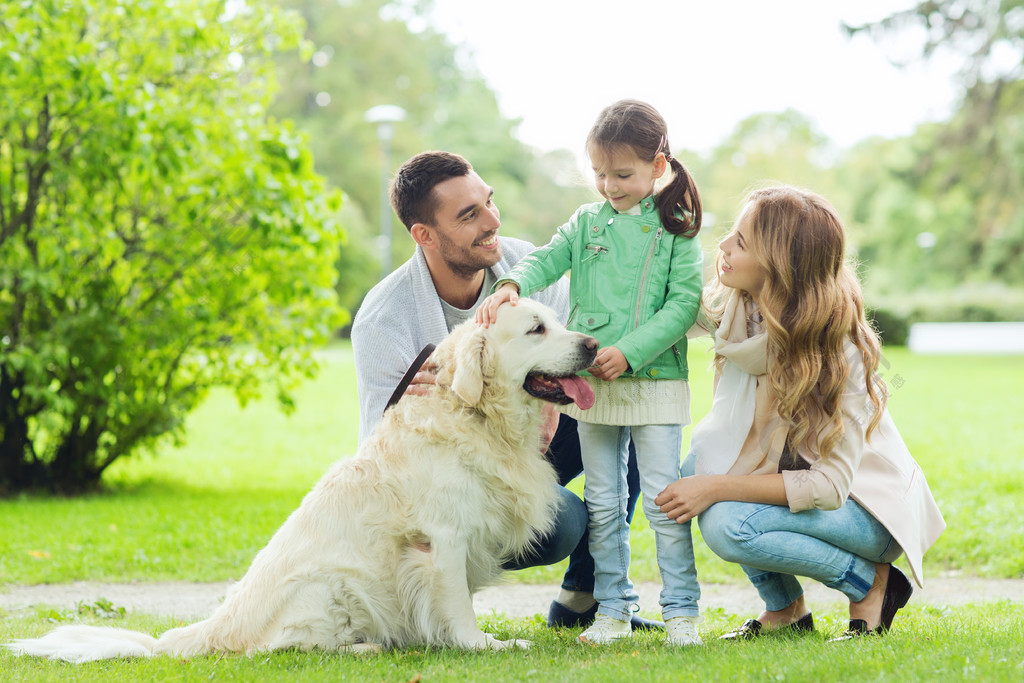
{"x":719,"y":438}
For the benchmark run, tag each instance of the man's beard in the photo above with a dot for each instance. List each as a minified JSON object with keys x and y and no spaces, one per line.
{"x":461,"y":261}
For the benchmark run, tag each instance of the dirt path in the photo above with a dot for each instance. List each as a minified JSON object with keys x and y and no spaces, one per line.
{"x":191,"y":601}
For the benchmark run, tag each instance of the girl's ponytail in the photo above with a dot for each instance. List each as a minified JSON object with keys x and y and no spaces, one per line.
{"x":680,"y":196}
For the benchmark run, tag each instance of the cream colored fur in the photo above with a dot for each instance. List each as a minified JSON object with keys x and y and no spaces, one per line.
{"x":388,"y":548}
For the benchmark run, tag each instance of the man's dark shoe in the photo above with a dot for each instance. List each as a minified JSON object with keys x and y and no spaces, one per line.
{"x":560,"y":616}
{"x":640,"y":624}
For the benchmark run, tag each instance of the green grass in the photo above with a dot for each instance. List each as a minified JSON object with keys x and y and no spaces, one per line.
{"x":977,"y":642}
{"x":200,"y":511}
{"x":960,"y":417}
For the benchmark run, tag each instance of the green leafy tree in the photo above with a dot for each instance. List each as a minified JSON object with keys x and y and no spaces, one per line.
{"x":960,"y":181}
{"x":158,"y":235}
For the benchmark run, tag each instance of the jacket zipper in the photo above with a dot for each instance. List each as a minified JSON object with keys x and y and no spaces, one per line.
{"x":595,"y":251}
{"x":572,"y":314}
{"x":643,"y":281}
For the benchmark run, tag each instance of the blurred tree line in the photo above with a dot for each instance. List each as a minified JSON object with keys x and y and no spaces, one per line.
{"x":170,"y":220}
{"x":939,"y":217}
{"x":961,"y":180}
{"x":935,"y":218}
{"x":373,"y":52}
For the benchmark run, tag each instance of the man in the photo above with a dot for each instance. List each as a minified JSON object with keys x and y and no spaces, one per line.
{"x":450,"y":213}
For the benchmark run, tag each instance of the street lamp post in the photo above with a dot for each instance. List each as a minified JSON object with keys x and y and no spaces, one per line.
{"x":385,"y":116}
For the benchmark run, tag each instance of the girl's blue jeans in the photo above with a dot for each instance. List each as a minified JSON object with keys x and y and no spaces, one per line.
{"x":604,"y":450}
{"x":839,"y":547}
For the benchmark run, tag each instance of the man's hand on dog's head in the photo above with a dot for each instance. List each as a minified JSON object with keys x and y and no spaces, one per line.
{"x":423,"y":381}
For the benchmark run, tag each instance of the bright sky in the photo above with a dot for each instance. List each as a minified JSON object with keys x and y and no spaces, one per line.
{"x":705,"y":64}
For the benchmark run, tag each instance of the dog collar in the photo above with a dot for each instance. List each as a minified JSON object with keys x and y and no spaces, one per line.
{"x":409,"y":374}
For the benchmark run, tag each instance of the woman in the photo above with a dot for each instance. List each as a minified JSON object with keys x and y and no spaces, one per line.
{"x":799,"y":470}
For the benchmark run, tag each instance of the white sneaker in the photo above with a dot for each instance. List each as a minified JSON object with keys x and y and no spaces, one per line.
{"x":682,"y":631}
{"x":604,"y":630}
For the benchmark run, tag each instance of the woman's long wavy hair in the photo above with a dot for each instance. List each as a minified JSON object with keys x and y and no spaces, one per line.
{"x":811,"y":303}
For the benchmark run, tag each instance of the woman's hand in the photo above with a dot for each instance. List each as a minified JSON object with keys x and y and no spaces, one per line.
{"x":609,"y":364}
{"x":686,"y":498}
{"x":487,"y":313}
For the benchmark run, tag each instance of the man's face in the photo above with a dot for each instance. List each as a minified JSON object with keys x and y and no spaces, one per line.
{"x":466,"y":224}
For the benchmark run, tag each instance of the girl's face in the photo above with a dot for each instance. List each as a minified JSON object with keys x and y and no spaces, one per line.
{"x":737,"y":267}
{"x":622,"y":177}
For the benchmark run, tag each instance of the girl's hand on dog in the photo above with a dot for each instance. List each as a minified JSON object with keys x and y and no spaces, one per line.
{"x":609,"y":364}
{"x":487,"y":313}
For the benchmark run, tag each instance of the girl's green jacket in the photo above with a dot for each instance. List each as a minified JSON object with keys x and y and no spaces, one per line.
{"x":633,"y":284}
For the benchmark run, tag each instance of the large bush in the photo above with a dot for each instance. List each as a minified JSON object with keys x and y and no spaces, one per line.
{"x":158,"y":235}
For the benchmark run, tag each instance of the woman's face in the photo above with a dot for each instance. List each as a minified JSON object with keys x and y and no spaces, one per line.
{"x":737,"y":267}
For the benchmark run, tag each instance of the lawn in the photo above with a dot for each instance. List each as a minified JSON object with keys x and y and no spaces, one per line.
{"x":978,"y":642}
{"x":200,"y":511}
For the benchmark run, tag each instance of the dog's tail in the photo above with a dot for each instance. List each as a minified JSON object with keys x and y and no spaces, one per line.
{"x":238,"y":625}
{"x":77,"y":643}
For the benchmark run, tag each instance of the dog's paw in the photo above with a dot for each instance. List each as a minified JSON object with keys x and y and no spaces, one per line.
{"x":495,"y":644}
{"x":362,"y":648}
{"x":520,"y":643}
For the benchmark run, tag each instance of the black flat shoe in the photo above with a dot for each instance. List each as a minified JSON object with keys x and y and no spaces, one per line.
{"x":752,"y":628}
{"x":897,"y":593}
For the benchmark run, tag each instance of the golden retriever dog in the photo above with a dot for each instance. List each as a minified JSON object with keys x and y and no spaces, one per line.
{"x":389,"y":546}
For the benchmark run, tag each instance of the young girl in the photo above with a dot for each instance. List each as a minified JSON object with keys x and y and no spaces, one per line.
{"x":635,"y":286}
{"x":799,"y":468}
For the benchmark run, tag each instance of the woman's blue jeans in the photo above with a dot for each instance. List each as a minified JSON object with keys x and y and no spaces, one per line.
{"x":839,"y":547}
{"x":606,"y":492}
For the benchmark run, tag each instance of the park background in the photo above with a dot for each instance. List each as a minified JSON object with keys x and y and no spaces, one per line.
{"x":192,"y":213}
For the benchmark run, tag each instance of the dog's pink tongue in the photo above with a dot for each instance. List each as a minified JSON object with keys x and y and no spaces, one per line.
{"x":578,"y":390}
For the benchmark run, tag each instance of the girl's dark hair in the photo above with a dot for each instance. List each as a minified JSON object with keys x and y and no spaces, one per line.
{"x":639,"y":126}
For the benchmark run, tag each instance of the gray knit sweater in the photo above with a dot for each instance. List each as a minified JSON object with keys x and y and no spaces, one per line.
{"x":402,"y":314}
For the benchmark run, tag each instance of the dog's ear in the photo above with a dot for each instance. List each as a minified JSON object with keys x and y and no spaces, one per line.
{"x":472,"y":366}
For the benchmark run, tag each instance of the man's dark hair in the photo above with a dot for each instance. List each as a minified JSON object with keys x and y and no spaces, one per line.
{"x":412,"y":188}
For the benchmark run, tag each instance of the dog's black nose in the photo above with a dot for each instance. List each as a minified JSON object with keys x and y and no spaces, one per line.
{"x":590,"y":344}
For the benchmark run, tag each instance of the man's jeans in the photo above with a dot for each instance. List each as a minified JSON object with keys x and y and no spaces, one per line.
{"x":570,"y":525}
{"x":570,"y":535}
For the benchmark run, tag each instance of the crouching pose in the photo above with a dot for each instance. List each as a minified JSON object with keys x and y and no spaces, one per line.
{"x":798,"y":470}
